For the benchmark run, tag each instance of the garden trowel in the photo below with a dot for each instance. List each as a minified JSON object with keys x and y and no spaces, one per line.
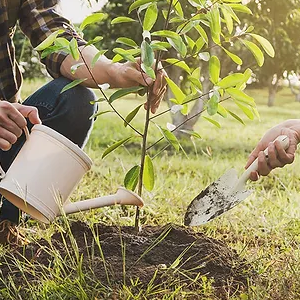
{"x":223,"y":194}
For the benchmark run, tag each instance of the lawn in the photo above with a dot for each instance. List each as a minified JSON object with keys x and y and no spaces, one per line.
{"x":264,"y":229}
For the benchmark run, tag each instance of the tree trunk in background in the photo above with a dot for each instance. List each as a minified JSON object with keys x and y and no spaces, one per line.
{"x":295,"y":91}
{"x":273,"y":85}
{"x":178,"y":118}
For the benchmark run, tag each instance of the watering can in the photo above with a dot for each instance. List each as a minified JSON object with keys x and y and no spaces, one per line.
{"x":46,"y":171}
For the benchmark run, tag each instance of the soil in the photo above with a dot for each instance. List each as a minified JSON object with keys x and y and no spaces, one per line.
{"x":161,"y":255}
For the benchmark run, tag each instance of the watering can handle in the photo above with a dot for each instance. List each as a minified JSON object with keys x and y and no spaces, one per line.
{"x":26,"y":131}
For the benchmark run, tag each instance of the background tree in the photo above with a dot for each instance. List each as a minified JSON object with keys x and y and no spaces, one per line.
{"x":279,"y":21}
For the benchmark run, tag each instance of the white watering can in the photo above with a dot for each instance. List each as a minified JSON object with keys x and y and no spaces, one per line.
{"x":46,"y":171}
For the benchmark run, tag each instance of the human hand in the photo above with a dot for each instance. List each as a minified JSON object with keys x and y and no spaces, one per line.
{"x":277,"y":156}
{"x":12,"y":122}
{"x":130,"y":74}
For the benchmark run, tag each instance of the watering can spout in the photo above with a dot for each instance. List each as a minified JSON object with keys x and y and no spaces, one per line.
{"x":122,"y":197}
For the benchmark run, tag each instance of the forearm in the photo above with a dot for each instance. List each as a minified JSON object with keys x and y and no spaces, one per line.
{"x":101,"y":70}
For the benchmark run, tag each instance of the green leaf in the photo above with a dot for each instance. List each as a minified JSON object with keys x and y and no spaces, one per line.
{"x":96,"y":57}
{"x":245,"y":110}
{"x":178,"y":93}
{"x":234,"y":57}
{"x":131,"y":178}
{"x":222,"y":111}
{"x":123,"y":92}
{"x":228,"y":20}
{"x":166,"y":33}
{"x":177,"y":7}
{"x":215,"y":24}
{"x":236,"y":117}
{"x":52,"y":49}
{"x":174,"y":39}
{"x":231,"y":12}
{"x":186,"y":27}
{"x":212,"y":105}
{"x":73,"y":46}
{"x":240,"y":96}
{"x":49,"y":40}
{"x":214,"y":69}
{"x":94,"y":40}
{"x":257,"y":53}
{"x":148,"y":174}
{"x":199,"y":44}
{"x":131,"y":115}
{"x":115,"y":146}
{"x":196,"y":82}
{"x":202,"y":33}
{"x":156,"y":45}
{"x":96,"y":17}
{"x":231,"y":80}
{"x":127,"y":41}
{"x":178,"y":45}
{"x":72,"y":84}
{"x":265,"y":44}
{"x":170,"y":137}
{"x":138,"y":3}
{"x":133,"y":52}
{"x":125,"y":54}
{"x":150,"y":17}
{"x":177,"y":63}
{"x":212,"y":121}
{"x":241,"y":8}
{"x":192,"y":133}
{"x":190,"y":42}
{"x":148,"y":70}
{"x":63,"y":42}
{"x":147,"y":57}
{"x":147,"y":54}
{"x":100,"y":113}
{"x":122,"y":20}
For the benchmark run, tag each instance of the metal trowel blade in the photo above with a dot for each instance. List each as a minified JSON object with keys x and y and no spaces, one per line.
{"x":217,"y":198}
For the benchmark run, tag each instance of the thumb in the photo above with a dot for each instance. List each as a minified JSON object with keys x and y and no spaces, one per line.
{"x":253,"y":156}
{"x":30,"y":112}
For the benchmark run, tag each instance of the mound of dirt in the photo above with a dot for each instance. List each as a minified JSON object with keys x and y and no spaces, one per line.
{"x":113,"y":254}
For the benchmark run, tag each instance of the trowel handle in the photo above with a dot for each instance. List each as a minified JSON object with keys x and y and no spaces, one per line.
{"x":284,"y":141}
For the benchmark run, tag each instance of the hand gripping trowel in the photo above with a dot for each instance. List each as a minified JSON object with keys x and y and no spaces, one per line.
{"x":223,"y":194}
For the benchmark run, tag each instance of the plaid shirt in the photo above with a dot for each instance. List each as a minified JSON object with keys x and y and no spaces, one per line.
{"x":37,"y":19}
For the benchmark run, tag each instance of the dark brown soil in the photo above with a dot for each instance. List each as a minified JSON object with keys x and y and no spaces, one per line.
{"x":173,"y":253}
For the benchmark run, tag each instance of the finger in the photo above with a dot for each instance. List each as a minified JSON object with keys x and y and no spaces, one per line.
{"x":285,"y":157}
{"x":158,"y":83}
{"x":16,"y":116}
{"x":273,"y":160}
{"x":11,"y":126}
{"x":31,"y":113}
{"x":4,"y":145}
{"x":254,"y":176}
{"x":157,"y":100}
{"x":263,"y":166}
{"x":254,"y":154}
{"x":7,"y":136}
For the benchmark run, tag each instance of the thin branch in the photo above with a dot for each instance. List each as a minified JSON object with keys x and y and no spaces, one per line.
{"x":104,"y":95}
{"x":182,"y":123}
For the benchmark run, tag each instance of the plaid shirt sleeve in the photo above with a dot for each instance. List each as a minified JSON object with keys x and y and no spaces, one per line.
{"x":38,"y":19}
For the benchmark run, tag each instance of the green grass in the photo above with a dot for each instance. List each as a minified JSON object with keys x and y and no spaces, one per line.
{"x":265,"y":228}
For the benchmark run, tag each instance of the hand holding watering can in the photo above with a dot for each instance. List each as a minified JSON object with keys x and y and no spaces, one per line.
{"x":46,"y":171}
